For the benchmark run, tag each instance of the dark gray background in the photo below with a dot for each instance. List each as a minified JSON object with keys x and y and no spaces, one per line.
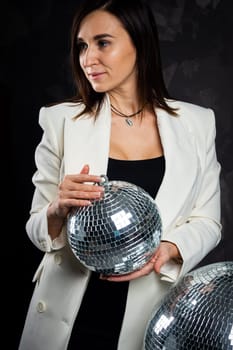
{"x":197,"y":52}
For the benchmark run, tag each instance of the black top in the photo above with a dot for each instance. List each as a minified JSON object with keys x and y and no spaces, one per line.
{"x":99,"y":320}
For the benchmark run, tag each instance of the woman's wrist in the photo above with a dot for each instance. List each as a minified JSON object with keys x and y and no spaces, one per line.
{"x":173,"y":251}
{"x":55,"y":222}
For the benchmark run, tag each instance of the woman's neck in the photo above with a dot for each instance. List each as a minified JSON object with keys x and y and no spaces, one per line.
{"x":125,"y":103}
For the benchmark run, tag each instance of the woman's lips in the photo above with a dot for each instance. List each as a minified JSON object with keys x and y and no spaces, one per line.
{"x":95,"y":76}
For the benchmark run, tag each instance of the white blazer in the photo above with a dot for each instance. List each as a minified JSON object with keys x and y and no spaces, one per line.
{"x":188,"y":199}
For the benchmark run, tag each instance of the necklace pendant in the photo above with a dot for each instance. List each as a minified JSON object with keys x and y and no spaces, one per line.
{"x":129,"y":122}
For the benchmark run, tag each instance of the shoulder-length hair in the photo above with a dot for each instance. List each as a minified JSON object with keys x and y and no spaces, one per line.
{"x":138,"y":20}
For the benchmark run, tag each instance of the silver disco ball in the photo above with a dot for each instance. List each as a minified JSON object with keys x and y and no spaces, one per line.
{"x":197,"y":313}
{"x":118,"y":233}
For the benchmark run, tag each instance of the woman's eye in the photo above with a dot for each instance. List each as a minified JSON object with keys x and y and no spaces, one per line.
{"x":81,"y":46}
{"x":103,"y":43}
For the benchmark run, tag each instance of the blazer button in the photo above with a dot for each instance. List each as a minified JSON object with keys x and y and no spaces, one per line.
{"x":43,"y":244}
{"x":58,"y":259}
{"x":41,"y":306}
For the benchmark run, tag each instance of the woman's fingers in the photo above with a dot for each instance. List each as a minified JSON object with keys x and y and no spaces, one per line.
{"x":163,"y":254}
{"x":71,"y":181}
{"x":78,"y":189}
{"x":85,"y":169}
{"x":145,"y":270}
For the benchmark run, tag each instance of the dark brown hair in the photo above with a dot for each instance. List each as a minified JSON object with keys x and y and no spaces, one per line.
{"x":138,"y":20}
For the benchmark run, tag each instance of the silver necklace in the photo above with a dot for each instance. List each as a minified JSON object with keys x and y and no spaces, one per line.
{"x":128,"y":121}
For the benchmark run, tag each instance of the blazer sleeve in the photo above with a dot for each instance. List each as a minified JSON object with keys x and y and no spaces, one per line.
{"x":200,"y":231}
{"x":48,"y":159}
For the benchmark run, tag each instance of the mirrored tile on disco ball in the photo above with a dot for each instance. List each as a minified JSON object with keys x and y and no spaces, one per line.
{"x":197,"y":313}
{"x":118,"y":233}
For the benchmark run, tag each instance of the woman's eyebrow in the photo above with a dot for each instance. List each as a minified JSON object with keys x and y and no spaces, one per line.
{"x":98,"y":37}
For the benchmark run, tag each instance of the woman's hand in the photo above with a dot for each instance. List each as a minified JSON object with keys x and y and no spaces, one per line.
{"x":75,"y":190}
{"x":165,"y":252}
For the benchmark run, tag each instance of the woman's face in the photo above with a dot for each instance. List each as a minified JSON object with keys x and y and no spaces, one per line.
{"x":107,"y":54}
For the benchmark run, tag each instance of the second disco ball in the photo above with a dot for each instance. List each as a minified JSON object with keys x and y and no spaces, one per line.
{"x":197,"y":313}
{"x":118,"y":233}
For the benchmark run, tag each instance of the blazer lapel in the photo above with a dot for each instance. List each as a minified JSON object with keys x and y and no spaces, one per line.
{"x":87,"y":142}
{"x":180,"y":169}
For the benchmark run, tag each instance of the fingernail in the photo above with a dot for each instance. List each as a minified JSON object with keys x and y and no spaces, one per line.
{"x":102,"y":277}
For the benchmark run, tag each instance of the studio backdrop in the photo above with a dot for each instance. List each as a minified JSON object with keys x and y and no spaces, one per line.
{"x":197,"y":54}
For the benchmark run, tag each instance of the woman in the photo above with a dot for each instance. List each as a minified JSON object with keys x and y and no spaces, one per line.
{"x":122,"y":123}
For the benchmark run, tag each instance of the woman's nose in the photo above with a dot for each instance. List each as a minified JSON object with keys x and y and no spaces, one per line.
{"x":90,"y":57}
